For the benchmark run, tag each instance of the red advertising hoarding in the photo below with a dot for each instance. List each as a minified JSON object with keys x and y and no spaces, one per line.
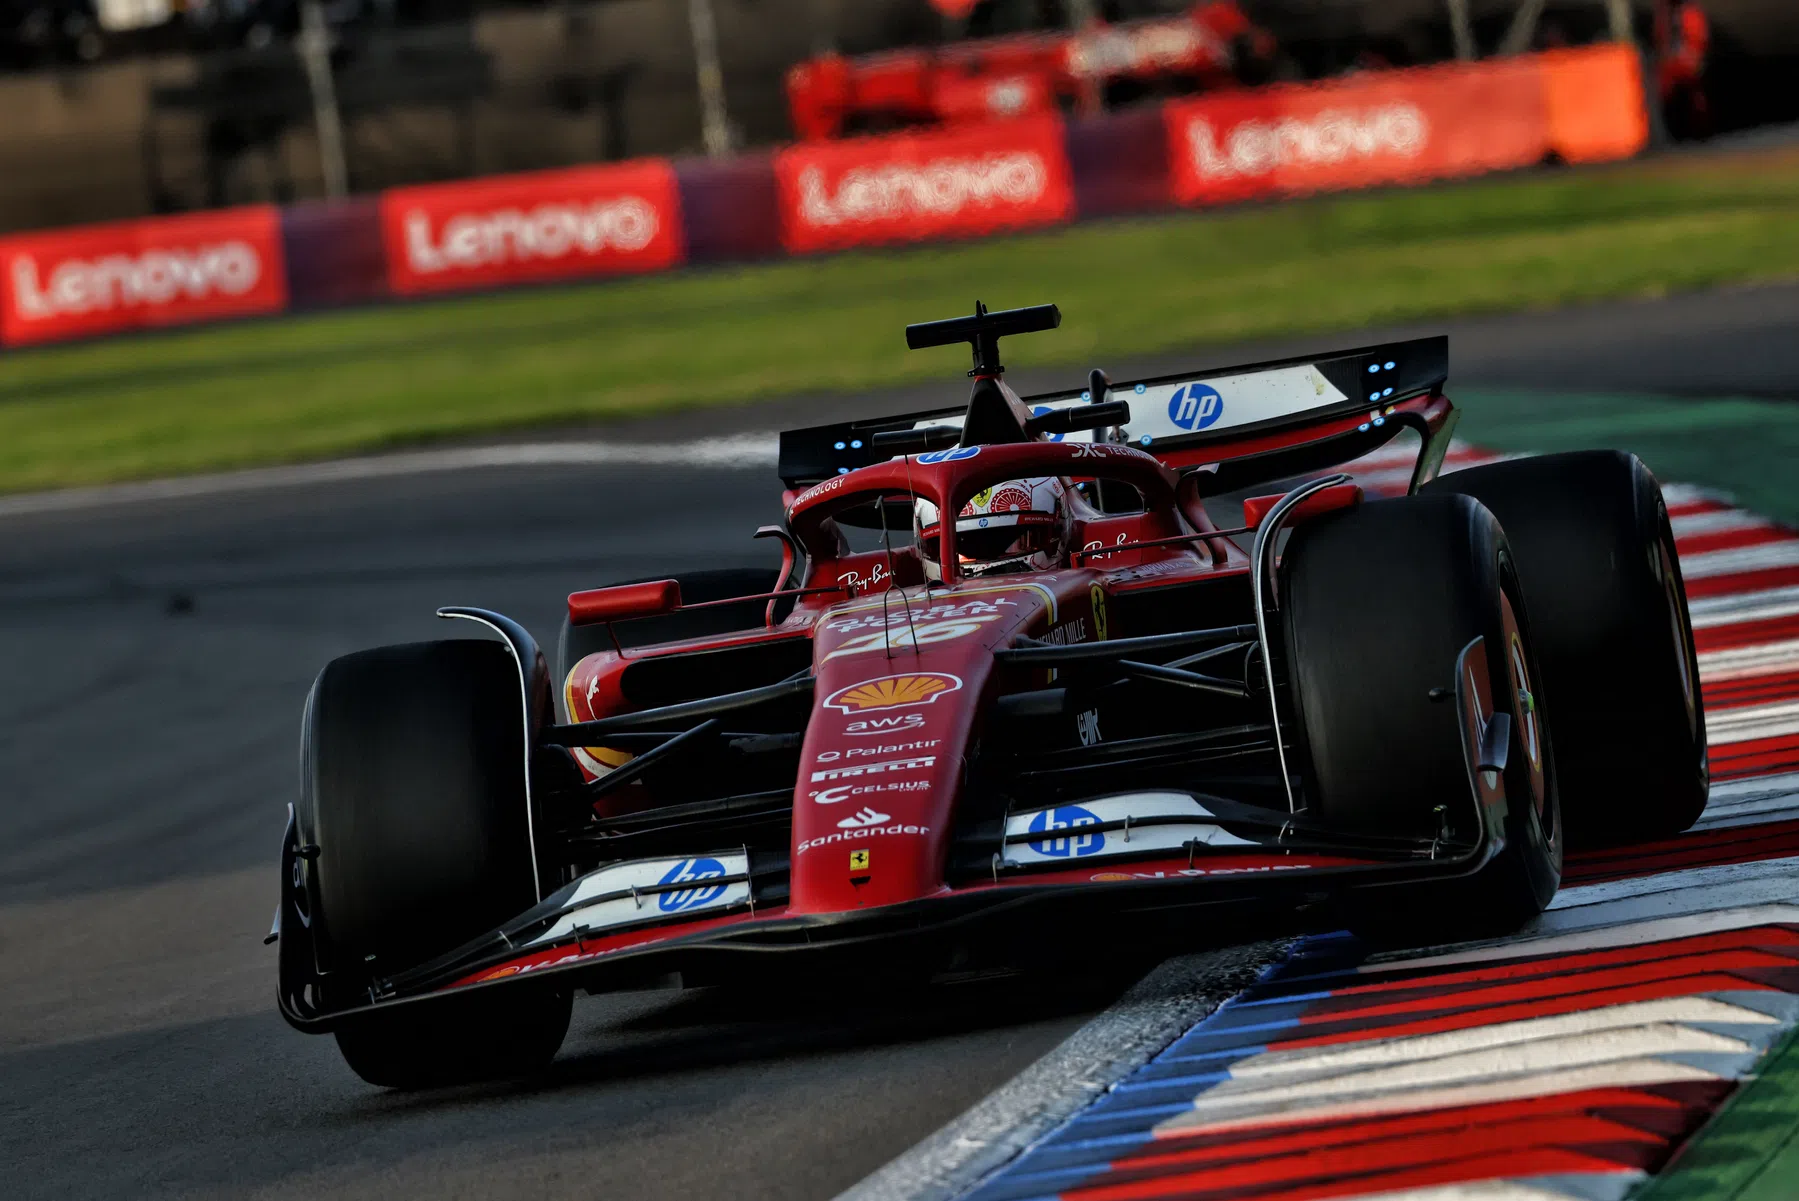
{"x":913,"y":187}
{"x":508,"y":229}
{"x":101,"y":279}
{"x":1393,"y":128}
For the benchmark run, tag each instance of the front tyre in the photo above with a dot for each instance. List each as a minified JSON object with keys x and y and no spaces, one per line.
{"x":1377,"y":604}
{"x":413,"y":796}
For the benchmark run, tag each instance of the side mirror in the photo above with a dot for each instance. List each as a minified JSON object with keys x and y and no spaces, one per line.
{"x":652,"y":598}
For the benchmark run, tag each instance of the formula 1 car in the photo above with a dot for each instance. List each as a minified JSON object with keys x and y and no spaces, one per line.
{"x":1124,"y":658}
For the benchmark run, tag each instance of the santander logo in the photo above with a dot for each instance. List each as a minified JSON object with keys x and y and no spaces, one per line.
{"x":549,"y":231}
{"x":941,"y":187}
{"x":122,"y":281}
{"x":1331,"y":137}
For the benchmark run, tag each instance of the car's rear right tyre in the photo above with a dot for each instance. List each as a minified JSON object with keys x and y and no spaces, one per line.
{"x":1596,"y":555}
{"x":413,"y":800}
{"x":1377,"y":604}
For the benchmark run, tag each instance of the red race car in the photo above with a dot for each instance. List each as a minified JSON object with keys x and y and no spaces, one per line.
{"x":1115,"y":666}
{"x":980,"y":79}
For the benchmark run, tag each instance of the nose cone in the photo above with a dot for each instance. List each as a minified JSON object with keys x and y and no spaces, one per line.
{"x":901,"y":684}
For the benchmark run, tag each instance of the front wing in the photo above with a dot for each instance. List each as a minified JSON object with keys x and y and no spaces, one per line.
{"x":1112,"y":860}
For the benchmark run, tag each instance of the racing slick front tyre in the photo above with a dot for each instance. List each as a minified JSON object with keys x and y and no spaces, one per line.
{"x":413,"y":801}
{"x":1377,"y":604}
{"x":1608,"y":607}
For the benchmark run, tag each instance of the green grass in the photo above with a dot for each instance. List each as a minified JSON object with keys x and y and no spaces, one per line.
{"x":1750,"y":1150}
{"x":343,"y":382}
{"x":1745,"y":447}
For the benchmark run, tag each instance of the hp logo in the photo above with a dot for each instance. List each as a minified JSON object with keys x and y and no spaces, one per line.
{"x":1065,"y":833}
{"x":1195,"y":406}
{"x":697,"y":871}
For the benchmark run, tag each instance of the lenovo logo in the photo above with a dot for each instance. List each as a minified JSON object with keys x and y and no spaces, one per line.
{"x":75,"y":286}
{"x":941,"y":187}
{"x":1162,"y":45}
{"x":548,"y":231}
{"x":1334,"y":136}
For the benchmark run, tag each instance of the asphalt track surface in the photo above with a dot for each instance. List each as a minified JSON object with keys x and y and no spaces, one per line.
{"x":153,"y":658}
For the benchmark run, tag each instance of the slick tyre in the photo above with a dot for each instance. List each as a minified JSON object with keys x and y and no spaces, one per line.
{"x":1596,"y":557}
{"x":578,"y":642}
{"x":1377,"y":603}
{"x":413,"y":794}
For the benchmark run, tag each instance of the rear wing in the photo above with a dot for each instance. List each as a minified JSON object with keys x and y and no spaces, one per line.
{"x":1171,"y":412}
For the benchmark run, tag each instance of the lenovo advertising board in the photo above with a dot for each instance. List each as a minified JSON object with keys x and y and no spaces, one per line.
{"x":100,"y":279}
{"x":1397,"y":127}
{"x":912,"y":187}
{"x":510,"y":229}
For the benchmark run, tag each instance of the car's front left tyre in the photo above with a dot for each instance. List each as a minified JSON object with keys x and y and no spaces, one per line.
{"x":413,"y":803}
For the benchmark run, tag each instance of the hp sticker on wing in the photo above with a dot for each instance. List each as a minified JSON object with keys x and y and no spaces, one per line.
{"x":1195,"y":406}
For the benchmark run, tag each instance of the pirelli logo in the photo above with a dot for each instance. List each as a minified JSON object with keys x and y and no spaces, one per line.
{"x":874,"y":769}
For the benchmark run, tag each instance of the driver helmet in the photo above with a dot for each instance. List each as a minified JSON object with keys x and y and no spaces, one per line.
{"x":1018,"y":525}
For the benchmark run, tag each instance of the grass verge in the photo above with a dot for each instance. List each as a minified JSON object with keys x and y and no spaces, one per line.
{"x":1744,"y":447}
{"x":1750,"y":1150}
{"x":337,"y":383}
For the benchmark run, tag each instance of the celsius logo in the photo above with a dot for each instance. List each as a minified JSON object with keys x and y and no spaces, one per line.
{"x":1195,"y":406}
{"x":695,"y":871}
{"x":1063,"y":831}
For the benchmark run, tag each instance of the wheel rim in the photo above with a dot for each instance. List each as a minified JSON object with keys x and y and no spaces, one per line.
{"x":1525,"y":710}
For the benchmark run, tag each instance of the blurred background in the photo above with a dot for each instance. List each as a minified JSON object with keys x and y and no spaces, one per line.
{"x":318,"y":314}
{"x":122,"y":108}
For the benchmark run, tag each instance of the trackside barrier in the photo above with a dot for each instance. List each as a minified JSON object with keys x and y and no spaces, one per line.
{"x":510,"y":229}
{"x":95,"y":279}
{"x":968,"y":182}
{"x":1405,"y":127}
{"x":1396,"y":127}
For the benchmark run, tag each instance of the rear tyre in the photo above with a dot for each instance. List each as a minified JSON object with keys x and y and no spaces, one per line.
{"x":1596,"y":556}
{"x":1377,"y":604}
{"x":413,"y":791}
{"x":578,"y":642}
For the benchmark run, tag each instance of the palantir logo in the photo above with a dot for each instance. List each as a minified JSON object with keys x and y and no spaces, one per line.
{"x":1195,"y":406}
{"x":1063,"y":828}
{"x":694,"y":870}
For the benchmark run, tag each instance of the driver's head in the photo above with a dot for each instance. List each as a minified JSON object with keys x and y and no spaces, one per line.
{"x":1020,"y":525}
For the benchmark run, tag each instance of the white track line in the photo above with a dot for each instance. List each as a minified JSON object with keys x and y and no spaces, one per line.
{"x":1590,"y":1186}
{"x":1717,"y":522}
{"x":1783,"y":552}
{"x":1157,"y":1010}
{"x":1595,"y":936}
{"x":1749,"y":723}
{"x":758,"y":450}
{"x":1741,"y":662}
{"x":1734,"y":607}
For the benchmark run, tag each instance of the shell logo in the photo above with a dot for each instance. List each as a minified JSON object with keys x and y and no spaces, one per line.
{"x":893,"y":692}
